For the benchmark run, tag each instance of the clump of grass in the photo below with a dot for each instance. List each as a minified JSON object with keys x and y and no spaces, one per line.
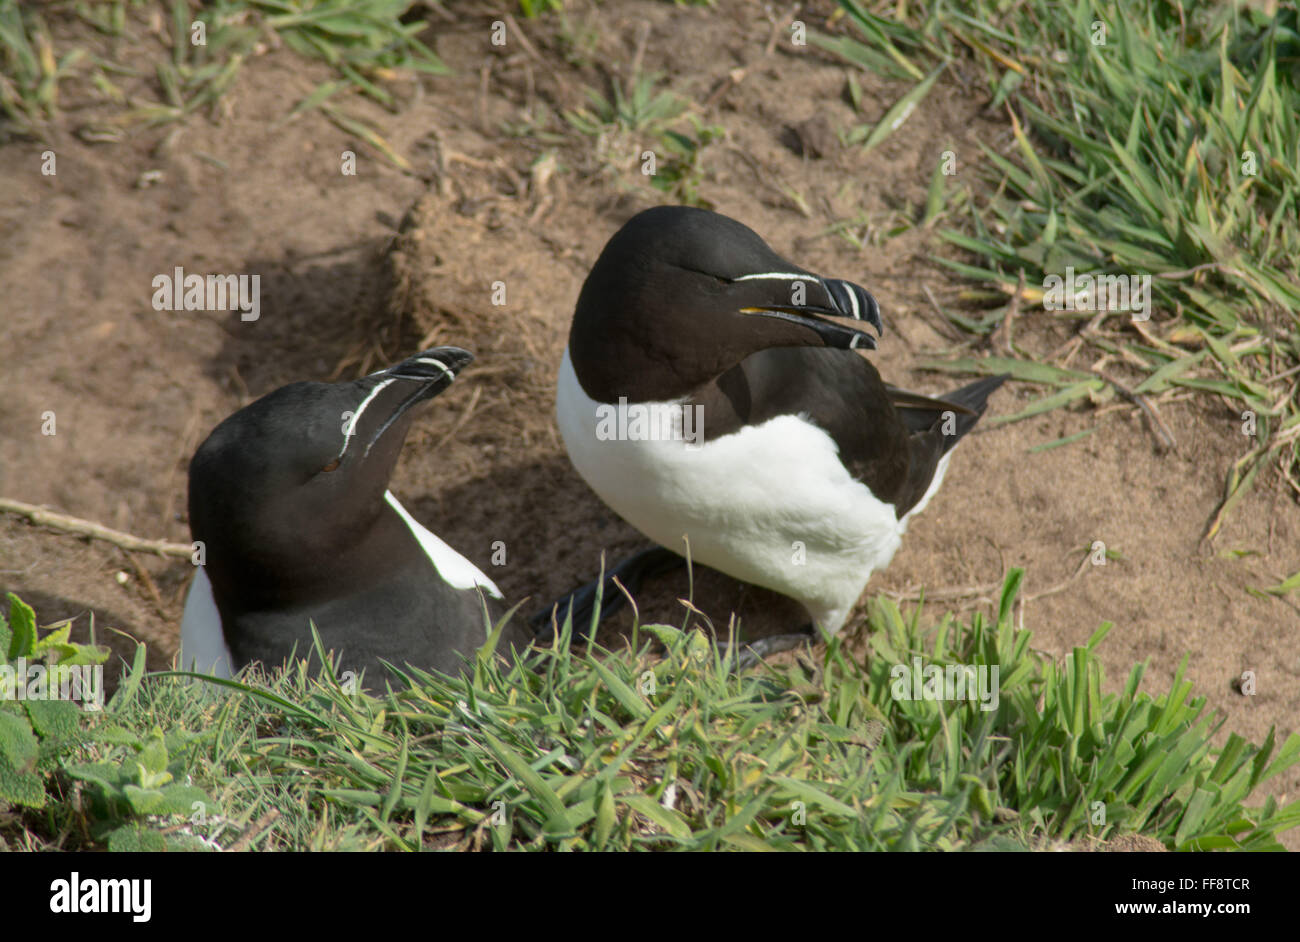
{"x":647,"y":123}
{"x":30,"y":71}
{"x":644,"y":109}
{"x":1156,"y":138}
{"x":636,"y":750}
{"x":365,"y":41}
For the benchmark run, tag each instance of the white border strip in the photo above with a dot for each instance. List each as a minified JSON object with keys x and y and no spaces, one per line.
{"x":782,"y":275}
{"x":356,"y":416}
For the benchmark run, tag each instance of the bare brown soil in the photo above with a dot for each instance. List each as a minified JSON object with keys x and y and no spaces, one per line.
{"x":358,"y":271}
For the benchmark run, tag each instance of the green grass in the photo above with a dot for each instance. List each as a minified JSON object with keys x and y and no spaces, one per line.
{"x":363,"y":41}
{"x":645,"y":118}
{"x":639,"y":750}
{"x":30,"y":71}
{"x":1172,"y":150}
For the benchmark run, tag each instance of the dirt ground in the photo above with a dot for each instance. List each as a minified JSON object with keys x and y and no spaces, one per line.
{"x":359,"y":271}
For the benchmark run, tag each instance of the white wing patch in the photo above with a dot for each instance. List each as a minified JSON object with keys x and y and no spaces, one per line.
{"x":453,"y":568}
{"x":203,"y":646}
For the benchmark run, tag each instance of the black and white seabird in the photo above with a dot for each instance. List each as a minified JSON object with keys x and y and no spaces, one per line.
{"x":289,"y":497}
{"x":807,"y":466}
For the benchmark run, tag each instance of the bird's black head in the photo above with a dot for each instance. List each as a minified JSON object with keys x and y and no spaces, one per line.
{"x":299,"y":475}
{"x":679,"y":295}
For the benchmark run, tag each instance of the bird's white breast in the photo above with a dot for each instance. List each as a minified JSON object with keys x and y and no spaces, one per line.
{"x":203,"y":646}
{"x":770,"y":504}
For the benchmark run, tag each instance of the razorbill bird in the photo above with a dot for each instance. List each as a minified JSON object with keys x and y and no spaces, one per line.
{"x":711,"y":395}
{"x":289,"y":499}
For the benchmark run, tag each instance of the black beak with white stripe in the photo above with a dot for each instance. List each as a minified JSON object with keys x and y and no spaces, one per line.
{"x":810,"y":465}
{"x":289,"y":497}
{"x":418,"y":379}
{"x":845,"y":300}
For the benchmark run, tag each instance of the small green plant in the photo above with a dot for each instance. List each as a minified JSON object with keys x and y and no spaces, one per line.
{"x":120,"y":796}
{"x":35,"y":731}
{"x":44,"y":734}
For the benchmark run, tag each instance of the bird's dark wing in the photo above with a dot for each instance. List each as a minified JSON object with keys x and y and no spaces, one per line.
{"x":934,"y":427}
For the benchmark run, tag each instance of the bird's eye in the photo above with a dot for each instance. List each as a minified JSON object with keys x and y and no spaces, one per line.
{"x":332,"y":466}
